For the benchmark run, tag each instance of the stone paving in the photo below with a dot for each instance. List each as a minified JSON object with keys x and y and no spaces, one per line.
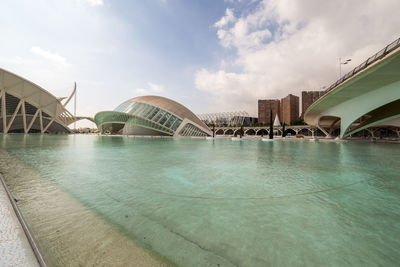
{"x":15,"y":249}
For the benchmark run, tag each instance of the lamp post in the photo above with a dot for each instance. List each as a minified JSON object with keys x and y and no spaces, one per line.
{"x":340,"y":65}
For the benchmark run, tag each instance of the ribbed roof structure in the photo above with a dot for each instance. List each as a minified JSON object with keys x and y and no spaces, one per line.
{"x":169,"y":105}
{"x":151,"y":116}
{"x":26,"y":107}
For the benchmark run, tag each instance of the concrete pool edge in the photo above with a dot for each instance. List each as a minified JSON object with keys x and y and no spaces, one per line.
{"x":139,"y":254}
{"x":28,"y":235}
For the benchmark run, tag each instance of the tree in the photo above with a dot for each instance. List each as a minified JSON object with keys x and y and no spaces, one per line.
{"x":283,"y":130}
{"x":271,"y":126}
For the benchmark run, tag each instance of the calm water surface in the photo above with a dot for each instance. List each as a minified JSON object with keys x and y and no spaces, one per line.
{"x":196,"y":202}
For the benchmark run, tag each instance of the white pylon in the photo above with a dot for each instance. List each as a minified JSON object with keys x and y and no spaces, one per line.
{"x":277,"y":122}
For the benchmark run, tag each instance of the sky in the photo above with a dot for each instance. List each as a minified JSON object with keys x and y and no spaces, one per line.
{"x":209,"y":55}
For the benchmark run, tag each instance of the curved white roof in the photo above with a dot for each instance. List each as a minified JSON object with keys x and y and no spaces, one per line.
{"x":31,"y":92}
{"x":49,"y":108}
{"x":171,"y":106}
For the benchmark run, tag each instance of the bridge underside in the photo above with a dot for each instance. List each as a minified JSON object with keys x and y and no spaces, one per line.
{"x":370,"y":98}
{"x":386,"y":115}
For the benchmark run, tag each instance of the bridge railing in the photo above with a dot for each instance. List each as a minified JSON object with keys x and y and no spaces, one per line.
{"x":386,"y":50}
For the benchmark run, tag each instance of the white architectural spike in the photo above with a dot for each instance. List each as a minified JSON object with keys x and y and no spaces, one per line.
{"x":277,"y":122}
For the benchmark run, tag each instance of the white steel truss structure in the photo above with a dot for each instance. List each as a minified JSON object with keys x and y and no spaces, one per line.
{"x":26,"y":107}
{"x":235,"y":118}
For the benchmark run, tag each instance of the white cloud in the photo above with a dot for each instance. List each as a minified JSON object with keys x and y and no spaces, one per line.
{"x":156,"y":87}
{"x":151,"y":89}
{"x":284,"y":46}
{"x":225,"y":20}
{"x":93,"y":2}
{"x":55,"y":58}
{"x":141,"y":91}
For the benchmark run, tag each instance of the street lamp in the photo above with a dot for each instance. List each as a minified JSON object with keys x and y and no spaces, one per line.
{"x":340,"y":65}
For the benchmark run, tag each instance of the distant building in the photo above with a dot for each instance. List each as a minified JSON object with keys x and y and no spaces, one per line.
{"x":290,"y":109}
{"x":222,"y":119}
{"x":265,"y":107}
{"x":307,"y":98}
{"x":250,"y":121}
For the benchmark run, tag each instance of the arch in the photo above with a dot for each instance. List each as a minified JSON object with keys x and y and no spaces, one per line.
{"x":219,"y":132}
{"x":380,"y":115}
{"x":385,"y":132}
{"x":290,"y":131}
{"x":75,"y":119}
{"x":318,"y":132}
{"x":229,"y":132}
{"x":305,"y":132}
{"x":262,"y":132}
{"x":250,"y":132}
{"x":70,"y":97}
{"x":335,"y":132}
{"x":354,"y":95}
{"x":380,"y":102}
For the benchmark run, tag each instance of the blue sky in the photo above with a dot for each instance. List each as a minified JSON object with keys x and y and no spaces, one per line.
{"x":210,"y":55}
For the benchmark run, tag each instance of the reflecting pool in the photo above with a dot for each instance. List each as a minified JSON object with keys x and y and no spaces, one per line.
{"x":109,"y":200}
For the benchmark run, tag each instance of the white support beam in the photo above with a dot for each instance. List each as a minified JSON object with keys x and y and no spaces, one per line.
{"x":3,"y":108}
{"x":41,"y":121}
{"x":24,"y":115}
{"x":33,"y":120}
{"x":48,"y":125}
{"x":13,"y":116}
{"x":371,"y":132}
{"x":322,"y":129}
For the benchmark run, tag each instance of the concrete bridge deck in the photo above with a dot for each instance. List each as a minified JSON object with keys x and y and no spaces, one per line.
{"x":367,"y":96}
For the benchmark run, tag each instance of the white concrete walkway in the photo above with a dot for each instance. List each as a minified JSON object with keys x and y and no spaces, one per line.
{"x":15,"y":249}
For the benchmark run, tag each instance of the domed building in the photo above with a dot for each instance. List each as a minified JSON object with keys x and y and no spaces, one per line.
{"x":151,"y":116}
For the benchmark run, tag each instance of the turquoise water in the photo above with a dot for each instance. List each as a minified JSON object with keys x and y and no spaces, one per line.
{"x":220,"y":202}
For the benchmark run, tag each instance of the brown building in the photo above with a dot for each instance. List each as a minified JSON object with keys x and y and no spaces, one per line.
{"x":264,"y":109}
{"x":307,"y":98}
{"x":290,"y":109}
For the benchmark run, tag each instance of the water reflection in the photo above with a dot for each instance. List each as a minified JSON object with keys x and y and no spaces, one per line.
{"x":201,"y":202}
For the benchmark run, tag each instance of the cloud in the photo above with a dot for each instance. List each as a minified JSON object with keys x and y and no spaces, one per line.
{"x":283,"y":46}
{"x":55,"y":58}
{"x":156,"y":87}
{"x":93,"y":2}
{"x":228,"y":18}
{"x":152,"y":89}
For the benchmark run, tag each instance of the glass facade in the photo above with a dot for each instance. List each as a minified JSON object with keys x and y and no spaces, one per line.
{"x":111,"y":117}
{"x":191,"y":130}
{"x":154,"y":114}
{"x":128,"y":115}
